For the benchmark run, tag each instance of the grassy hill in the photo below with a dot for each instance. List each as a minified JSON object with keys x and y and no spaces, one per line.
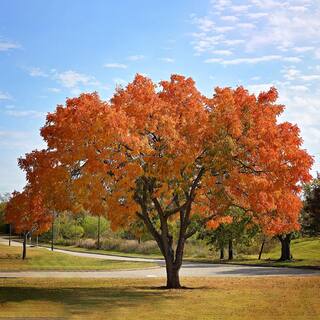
{"x":305,"y":251}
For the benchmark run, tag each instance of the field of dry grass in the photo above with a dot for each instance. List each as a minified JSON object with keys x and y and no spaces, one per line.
{"x":224,"y":298}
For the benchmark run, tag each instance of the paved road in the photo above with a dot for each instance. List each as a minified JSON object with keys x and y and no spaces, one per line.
{"x":188,"y":269}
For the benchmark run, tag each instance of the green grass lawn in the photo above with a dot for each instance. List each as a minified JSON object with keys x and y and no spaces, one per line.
{"x":107,"y":252}
{"x":42,"y":259}
{"x":305,"y":251}
{"x":224,"y":298}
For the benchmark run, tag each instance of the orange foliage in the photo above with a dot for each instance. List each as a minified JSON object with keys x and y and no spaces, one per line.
{"x":167,"y":147}
{"x":27,"y":213}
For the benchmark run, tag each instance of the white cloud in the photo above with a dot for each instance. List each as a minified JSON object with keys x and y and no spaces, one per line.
{"x":233,"y":42}
{"x":229,"y":18}
{"x":253,"y":60}
{"x":169,"y":60}
{"x":71,"y":79}
{"x":302,"y":49}
{"x":257,"y":88}
{"x":221,"y":5}
{"x":240,"y":8}
{"x":25,"y":113}
{"x":246,"y":25}
{"x":292,"y":59}
{"x":310,"y":77}
{"x":54,"y":90}
{"x":136,"y":57}
{"x":222,"y":52}
{"x":203,"y":43}
{"x":5,"y":96}
{"x":291,"y":73}
{"x":257,"y":15}
{"x":115,"y":65}
{"x":298,"y":8}
{"x":277,"y":25}
{"x":299,"y":88}
{"x":204,"y":24}
{"x":284,"y":27}
{"x":7,"y":45}
{"x":36,"y":72}
{"x":223,"y":29}
{"x":302,"y":108}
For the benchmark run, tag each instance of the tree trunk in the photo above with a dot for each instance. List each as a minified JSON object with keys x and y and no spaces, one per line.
{"x":10,"y":234}
{"x":230,"y":250}
{"x":98,"y":242}
{"x":221,"y":253}
{"x":173,"y":281}
{"x":24,"y":246}
{"x":285,"y":247}
{"x":261,"y":249}
{"x":52,"y":234}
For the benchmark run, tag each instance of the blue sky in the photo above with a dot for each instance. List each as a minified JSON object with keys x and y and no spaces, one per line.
{"x":50,"y":50}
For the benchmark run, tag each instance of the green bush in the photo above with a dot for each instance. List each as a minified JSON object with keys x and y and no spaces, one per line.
{"x":90,"y":227}
{"x":72,"y":231}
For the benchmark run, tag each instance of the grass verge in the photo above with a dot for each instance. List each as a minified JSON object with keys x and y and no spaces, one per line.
{"x":42,"y":259}
{"x":278,"y":298}
{"x":305,"y":251}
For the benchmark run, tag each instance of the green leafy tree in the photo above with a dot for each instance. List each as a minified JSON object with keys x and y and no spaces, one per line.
{"x":239,"y":230}
{"x":310,"y":214}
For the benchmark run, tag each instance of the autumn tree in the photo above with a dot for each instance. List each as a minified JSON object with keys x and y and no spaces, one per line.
{"x":26,"y":212}
{"x":47,"y":176}
{"x":167,"y":153}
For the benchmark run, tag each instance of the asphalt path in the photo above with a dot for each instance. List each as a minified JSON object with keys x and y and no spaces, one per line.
{"x":188,"y":269}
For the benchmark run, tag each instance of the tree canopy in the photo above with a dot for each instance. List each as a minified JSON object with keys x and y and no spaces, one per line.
{"x":167,"y":152}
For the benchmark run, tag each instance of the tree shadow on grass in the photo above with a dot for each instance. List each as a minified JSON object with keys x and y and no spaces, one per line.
{"x":82,"y":300}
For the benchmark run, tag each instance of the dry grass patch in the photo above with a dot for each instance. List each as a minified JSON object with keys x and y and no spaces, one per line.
{"x":210,"y":298}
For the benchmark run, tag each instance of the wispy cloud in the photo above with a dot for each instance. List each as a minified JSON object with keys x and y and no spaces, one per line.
{"x":229,"y":18}
{"x":8,"y":45}
{"x":168,"y":60}
{"x":252,"y":60}
{"x":222,"y":52}
{"x":5,"y":96}
{"x":36,"y":72}
{"x":54,"y":90}
{"x":136,"y":57}
{"x":276,"y":25}
{"x":25,"y":113}
{"x":115,"y":65}
{"x":72,"y":79}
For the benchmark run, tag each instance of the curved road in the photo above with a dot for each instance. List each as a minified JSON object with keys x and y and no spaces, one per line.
{"x":189,"y":269}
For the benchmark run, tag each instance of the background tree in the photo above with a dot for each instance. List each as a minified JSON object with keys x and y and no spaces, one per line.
{"x":167,"y":153}
{"x":3,"y":201}
{"x":310,"y":214}
{"x":234,"y":229}
{"x":26,"y":212}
